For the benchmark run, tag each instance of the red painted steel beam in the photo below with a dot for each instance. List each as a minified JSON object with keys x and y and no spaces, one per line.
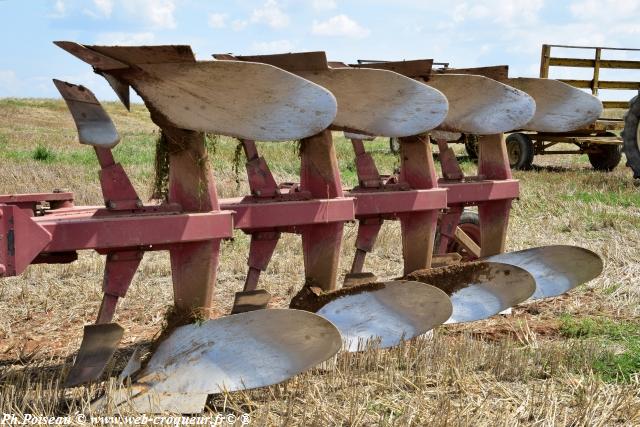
{"x":89,"y":231}
{"x":29,"y":202}
{"x":395,"y":202}
{"x":35,"y":197}
{"x":481,"y":191}
{"x":273,"y":214}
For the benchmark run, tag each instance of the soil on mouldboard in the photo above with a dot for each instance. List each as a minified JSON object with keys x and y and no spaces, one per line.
{"x":312,"y":298}
{"x":452,"y":278}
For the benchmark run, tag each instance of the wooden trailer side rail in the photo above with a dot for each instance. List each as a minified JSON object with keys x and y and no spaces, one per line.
{"x":596,"y":63}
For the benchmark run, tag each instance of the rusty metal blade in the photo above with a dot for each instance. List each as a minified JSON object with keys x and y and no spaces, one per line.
{"x":241,"y":99}
{"x":556,"y":269}
{"x":479,"y":290}
{"x":444,"y":135}
{"x":94,"y":125}
{"x":482,"y":106}
{"x":91,"y":57}
{"x":381,"y":102}
{"x":238,"y":352}
{"x":120,"y":88}
{"x":559,"y":106}
{"x":99,"y":342}
{"x":352,"y":135}
{"x":357,"y":279}
{"x":388,"y":313}
{"x":156,"y":54}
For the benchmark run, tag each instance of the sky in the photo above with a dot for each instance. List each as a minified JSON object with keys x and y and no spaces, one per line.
{"x":464,"y":33}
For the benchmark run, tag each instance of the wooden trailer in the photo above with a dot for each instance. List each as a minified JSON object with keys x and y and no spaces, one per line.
{"x":601,"y":140}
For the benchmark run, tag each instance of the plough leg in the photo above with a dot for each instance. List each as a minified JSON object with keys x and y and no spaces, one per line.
{"x":193,"y":265}
{"x":100,"y":341}
{"x":119,"y":271}
{"x":261,"y":249}
{"x":448,"y":224}
{"x":368,"y":230}
{"x":319,"y":174}
{"x":418,"y":229}
{"x":493,"y":163}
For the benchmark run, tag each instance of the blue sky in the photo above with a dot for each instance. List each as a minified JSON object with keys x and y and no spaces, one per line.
{"x":464,"y":33}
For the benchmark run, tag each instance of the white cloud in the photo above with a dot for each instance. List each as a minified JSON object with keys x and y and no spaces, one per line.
{"x":324,"y":4}
{"x":125,"y":39}
{"x":105,"y":7}
{"x":276,"y":46}
{"x":270,"y":14}
{"x":217,"y":20}
{"x":609,"y":10}
{"x":159,"y":14}
{"x":339,"y":26}
{"x":238,"y":25}
{"x":513,"y":12}
{"x":59,"y":9}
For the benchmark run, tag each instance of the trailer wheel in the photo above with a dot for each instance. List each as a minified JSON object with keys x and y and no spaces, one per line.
{"x":520,"y":151}
{"x":631,"y":138}
{"x":470,"y":224}
{"x":471,"y":146}
{"x":607,"y":157}
{"x":394,"y":145}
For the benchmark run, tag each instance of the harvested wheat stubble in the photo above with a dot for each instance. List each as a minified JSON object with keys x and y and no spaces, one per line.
{"x":503,"y":371}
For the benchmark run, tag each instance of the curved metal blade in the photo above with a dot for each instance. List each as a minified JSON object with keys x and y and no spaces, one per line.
{"x":120,"y":88}
{"x":381,"y":102}
{"x":444,"y":135}
{"x":99,"y":342}
{"x":556,"y":269}
{"x":392,"y":312}
{"x":94,"y":125}
{"x":479,"y":290}
{"x":93,"y":58}
{"x":240,"y":351}
{"x":352,"y":135}
{"x":482,"y":106}
{"x":559,"y":106}
{"x":241,"y":99}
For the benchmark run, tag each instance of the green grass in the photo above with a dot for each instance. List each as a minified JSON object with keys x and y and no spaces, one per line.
{"x":620,"y":343}
{"x":51,"y":104}
{"x":43,"y":154}
{"x":609,"y":198}
{"x":134,"y":150}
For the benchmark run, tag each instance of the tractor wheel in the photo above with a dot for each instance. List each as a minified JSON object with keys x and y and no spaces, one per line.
{"x":520,"y":151}
{"x":631,"y":138}
{"x":470,"y":224}
{"x":607,"y":157}
{"x":394,"y":145}
{"x":471,"y":146}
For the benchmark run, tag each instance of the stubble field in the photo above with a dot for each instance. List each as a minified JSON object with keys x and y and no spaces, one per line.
{"x":572,"y":360}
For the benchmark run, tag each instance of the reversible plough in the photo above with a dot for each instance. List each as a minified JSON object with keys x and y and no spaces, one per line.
{"x":295,"y":97}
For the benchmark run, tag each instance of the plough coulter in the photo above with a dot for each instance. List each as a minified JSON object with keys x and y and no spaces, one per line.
{"x":295,"y":97}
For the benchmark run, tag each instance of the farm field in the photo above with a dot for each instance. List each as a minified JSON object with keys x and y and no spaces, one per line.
{"x":571,"y":360}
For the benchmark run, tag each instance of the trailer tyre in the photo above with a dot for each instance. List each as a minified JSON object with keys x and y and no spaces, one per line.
{"x":630,"y":136}
{"x":470,"y":224}
{"x":471,"y":145}
{"x":607,"y":157}
{"x":520,"y":151}
{"x":394,"y":145}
